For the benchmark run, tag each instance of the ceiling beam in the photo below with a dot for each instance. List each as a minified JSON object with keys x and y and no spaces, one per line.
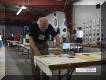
{"x":50,"y":7}
{"x":32,"y":2}
{"x":12,"y":16}
{"x":49,"y":4}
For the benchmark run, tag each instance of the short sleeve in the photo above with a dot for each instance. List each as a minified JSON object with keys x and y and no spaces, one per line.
{"x":52,"y":31}
{"x":31,"y":30}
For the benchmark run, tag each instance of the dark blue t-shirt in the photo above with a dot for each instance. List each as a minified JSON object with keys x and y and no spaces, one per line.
{"x":39,"y":36}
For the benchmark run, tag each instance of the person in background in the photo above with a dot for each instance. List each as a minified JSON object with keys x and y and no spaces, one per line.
{"x":17,"y":37}
{"x":38,"y":37}
{"x":74,"y":36}
{"x":98,"y":43}
{"x":1,"y":43}
{"x":68,"y":36}
{"x":27,"y":38}
{"x":64,"y":35}
{"x":58,"y":30}
{"x":12,"y":37}
{"x":79,"y":35}
{"x":21,"y":38}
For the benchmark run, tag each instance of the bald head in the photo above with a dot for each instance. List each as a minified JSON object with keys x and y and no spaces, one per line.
{"x":43,"y":23}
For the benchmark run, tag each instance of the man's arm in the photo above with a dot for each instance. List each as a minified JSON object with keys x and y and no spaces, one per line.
{"x":59,"y":40}
{"x":33,"y":46}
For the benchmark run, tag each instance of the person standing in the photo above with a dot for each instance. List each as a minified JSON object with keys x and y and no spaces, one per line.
{"x":69,"y":38}
{"x":64,"y":35}
{"x":79,"y":35}
{"x":1,"y":43}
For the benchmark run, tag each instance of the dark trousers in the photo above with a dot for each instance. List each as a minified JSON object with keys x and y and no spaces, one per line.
{"x":79,"y":40}
{"x":36,"y":72}
{"x":43,"y":48}
{"x":64,"y":40}
{"x":1,"y":43}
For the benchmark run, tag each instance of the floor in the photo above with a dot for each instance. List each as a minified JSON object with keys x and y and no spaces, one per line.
{"x":19,"y":69}
{"x":15,"y":64}
{"x":2,"y":62}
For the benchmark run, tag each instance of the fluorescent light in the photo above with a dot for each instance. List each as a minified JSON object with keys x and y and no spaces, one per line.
{"x":22,"y":7}
{"x":19,"y":11}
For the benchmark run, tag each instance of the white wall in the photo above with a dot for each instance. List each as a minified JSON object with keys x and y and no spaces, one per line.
{"x":1,"y":27}
{"x":82,"y":13}
{"x":89,"y":2}
{"x":60,"y":18}
{"x":90,"y":16}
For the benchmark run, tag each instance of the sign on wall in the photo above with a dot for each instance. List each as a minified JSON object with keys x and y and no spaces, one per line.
{"x":55,"y":22}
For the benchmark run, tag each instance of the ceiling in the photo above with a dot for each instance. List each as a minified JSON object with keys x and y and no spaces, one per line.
{"x":8,"y":14}
{"x":89,"y":2}
{"x":35,"y":9}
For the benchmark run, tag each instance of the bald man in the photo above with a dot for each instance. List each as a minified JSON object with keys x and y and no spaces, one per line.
{"x":39,"y":35}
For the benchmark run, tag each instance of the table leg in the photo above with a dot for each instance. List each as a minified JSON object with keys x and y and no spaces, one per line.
{"x":70,"y":73}
{"x":59,"y":74}
{"x":28,"y":54}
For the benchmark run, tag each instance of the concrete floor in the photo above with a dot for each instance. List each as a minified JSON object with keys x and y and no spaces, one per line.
{"x":12,"y":65}
{"x":2,"y":62}
{"x":16,"y":65}
{"x":17,"y":68}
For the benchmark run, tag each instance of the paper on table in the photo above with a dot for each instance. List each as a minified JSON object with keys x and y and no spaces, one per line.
{"x":96,"y":56}
{"x":60,"y":60}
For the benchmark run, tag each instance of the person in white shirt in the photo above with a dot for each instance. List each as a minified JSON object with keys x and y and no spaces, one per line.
{"x":27,"y":38}
{"x":79,"y":35}
{"x":1,"y":43}
{"x":64,"y":35}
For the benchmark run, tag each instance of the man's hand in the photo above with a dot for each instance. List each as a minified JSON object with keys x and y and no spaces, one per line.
{"x":58,"y":40}
{"x":58,"y":44}
{"x":35,"y":50}
{"x":37,"y":54}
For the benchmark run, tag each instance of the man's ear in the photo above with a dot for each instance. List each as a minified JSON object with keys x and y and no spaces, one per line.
{"x":38,"y":22}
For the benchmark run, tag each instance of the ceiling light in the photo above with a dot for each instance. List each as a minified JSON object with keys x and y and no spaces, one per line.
{"x":21,"y":8}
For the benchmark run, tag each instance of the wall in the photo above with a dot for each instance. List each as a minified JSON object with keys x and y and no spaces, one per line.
{"x":89,"y":18}
{"x":13,"y":29}
{"x":103,"y":15}
{"x":60,"y":20}
{"x":1,"y":28}
{"x":89,"y":2}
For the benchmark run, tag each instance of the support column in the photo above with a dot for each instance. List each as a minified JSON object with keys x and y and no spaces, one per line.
{"x":68,"y":13}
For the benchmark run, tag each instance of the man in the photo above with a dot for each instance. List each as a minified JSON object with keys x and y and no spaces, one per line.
{"x":79,"y":35}
{"x":38,"y":37}
{"x":1,"y":43}
{"x":64,"y":35}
